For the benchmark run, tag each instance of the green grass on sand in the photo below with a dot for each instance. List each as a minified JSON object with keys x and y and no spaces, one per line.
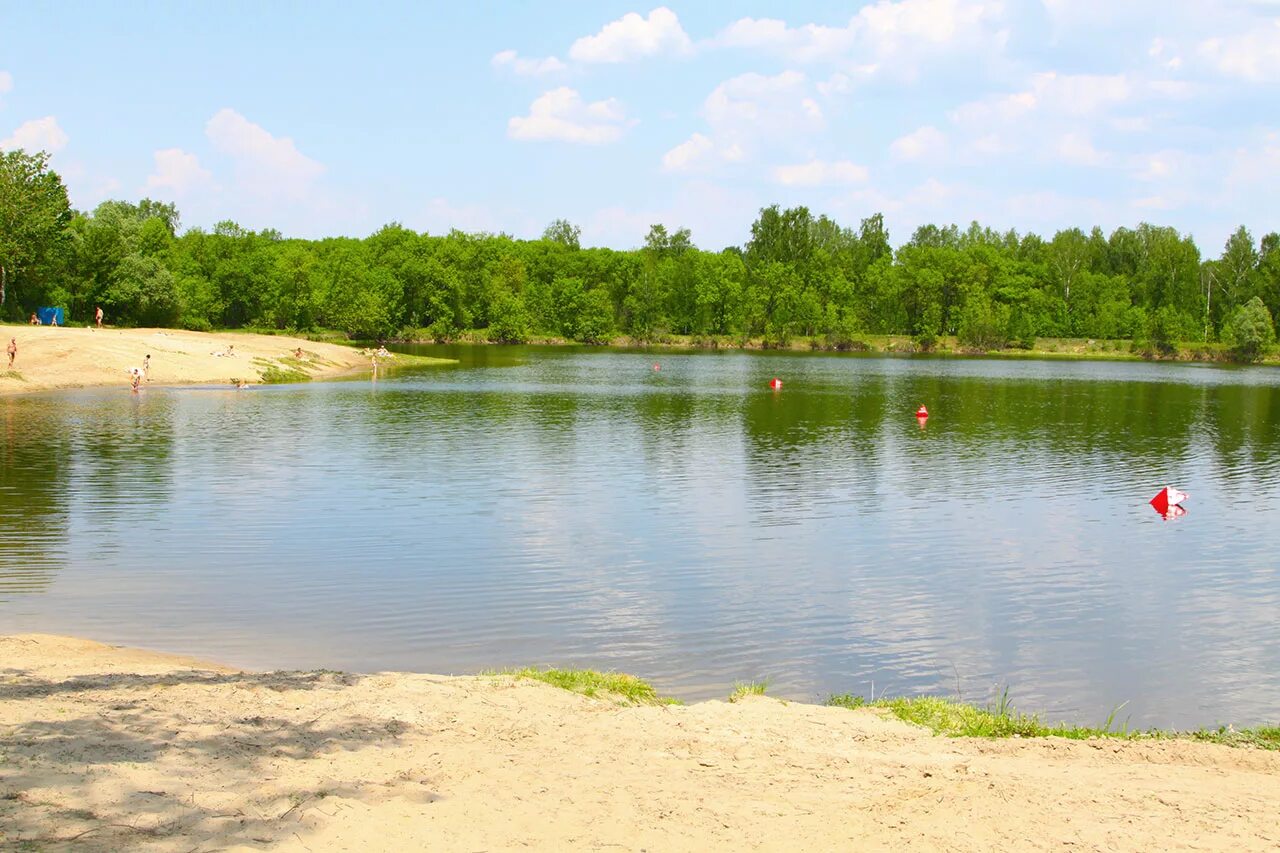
{"x":743,"y":689}
{"x":941,"y":716}
{"x":956,"y":719}
{"x":612,"y":686}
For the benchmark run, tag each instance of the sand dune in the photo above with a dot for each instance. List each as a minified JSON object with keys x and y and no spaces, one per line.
{"x":72,"y":357}
{"x":121,"y":749}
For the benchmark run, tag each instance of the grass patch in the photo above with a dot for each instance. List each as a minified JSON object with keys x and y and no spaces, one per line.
{"x":12,"y":374}
{"x":613,"y":686}
{"x":1262,"y":737}
{"x":284,"y":370}
{"x":743,"y":689}
{"x":1000,"y":720}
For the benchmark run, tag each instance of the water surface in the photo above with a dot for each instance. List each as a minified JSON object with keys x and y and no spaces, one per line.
{"x":579,"y":508}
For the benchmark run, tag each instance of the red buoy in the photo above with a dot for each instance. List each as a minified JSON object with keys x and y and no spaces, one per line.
{"x":657,"y":366}
{"x":775,"y":383}
{"x":922,"y":412}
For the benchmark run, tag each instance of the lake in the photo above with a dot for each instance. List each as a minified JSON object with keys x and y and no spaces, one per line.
{"x":577,"y":507}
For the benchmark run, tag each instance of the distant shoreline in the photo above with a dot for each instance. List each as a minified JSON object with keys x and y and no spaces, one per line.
{"x":1047,"y":349}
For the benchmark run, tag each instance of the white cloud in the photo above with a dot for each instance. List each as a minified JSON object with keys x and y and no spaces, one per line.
{"x":526,"y":67}
{"x":1157,"y":202}
{"x":6,"y":82}
{"x":992,"y":144}
{"x":1077,"y":149}
{"x":836,"y":84}
{"x":38,"y":134}
{"x":747,"y":115}
{"x":1164,"y":53}
{"x":817,"y":173}
{"x":265,"y":164}
{"x":688,"y":154}
{"x":698,"y":153}
{"x":918,"y":204}
{"x":808,"y":43}
{"x":1057,"y":94}
{"x":1252,"y":56}
{"x":1158,"y":166}
{"x":633,"y":37}
{"x":890,"y":35}
{"x":561,"y":114}
{"x":1257,"y":166}
{"x":924,"y":142}
{"x":761,"y":103}
{"x":178,"y":172}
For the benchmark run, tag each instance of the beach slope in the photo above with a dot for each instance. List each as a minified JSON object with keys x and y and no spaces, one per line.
{"x":121,"y":749}
{"x":74,"y":357}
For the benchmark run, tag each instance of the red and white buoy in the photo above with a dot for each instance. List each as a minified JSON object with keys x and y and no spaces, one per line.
{"x":657,"y":366}
{"x":1168,"y":502}
{"x":922,"y":412}
{"x":775,"y":383}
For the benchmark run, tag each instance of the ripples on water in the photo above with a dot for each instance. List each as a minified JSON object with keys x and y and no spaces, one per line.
{"x":689,"y":525}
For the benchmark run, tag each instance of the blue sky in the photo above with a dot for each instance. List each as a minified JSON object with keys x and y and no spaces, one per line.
{"x":322,"y":119}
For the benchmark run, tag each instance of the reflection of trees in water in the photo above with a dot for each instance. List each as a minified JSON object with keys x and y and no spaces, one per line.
{"x":34,"y":469}
{"x":805,"y":448}
{"x":100,"y":464}
{"x":121,"y":465}
{"x":799,"y":443}
{"x":1244,"y":428}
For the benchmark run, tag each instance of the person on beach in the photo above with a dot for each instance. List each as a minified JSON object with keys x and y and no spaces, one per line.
{"x":35,"y":321}
{"x":146,"y":367}
{"x":12,"y":349}
{"x":297,"y":353}
{"x":97,"y":316}
{"x":136,"y":377}
{"x":53,"y":319}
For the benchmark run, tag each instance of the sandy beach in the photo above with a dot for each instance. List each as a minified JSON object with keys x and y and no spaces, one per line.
{"x":74,"y":357}
{"x":106,"y":748}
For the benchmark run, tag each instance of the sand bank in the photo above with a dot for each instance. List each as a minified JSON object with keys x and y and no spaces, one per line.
{"x":121,"y":749}
{"x":74,"y":357}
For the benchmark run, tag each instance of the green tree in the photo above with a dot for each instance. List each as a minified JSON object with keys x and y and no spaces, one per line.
{"x":983,"y":324}
{"x":34,"y":219}
{"x":595,"y":318}
{"x":1166,"y":326}
{"x":1251,"y":330}
{"x":565,"y":233}
{"x":142,"y":290}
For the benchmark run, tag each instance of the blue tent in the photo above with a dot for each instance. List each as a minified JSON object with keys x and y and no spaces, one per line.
{"x":46,"y":316}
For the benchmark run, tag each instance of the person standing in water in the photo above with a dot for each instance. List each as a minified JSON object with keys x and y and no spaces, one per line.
{"x":12,"y":349}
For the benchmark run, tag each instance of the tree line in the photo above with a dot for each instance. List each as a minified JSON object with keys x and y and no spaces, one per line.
{"x":797,"y":275}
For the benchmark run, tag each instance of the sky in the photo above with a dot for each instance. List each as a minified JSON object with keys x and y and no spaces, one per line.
{"x":322,"y":119}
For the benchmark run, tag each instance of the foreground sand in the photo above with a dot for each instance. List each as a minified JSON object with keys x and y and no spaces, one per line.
{"x":74,"y":357}
{"x":122,"y":749}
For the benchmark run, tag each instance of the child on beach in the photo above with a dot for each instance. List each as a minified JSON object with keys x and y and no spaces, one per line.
{"x":146,"y":367}
{"x":12,"y":349}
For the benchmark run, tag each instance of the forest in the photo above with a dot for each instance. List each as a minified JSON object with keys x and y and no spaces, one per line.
{"x":797,"y":276}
